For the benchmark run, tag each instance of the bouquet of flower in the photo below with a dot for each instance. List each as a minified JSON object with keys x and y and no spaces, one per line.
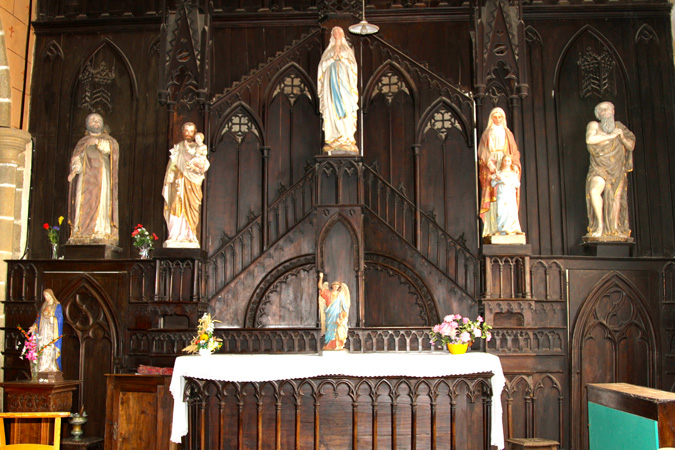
{"x":456,"y":329}
{"x":142,"y":237}
{"x":53,"y":232}
{"x":29,"y":346}
{"x":30,"y":350}
{"x":204,"y":339}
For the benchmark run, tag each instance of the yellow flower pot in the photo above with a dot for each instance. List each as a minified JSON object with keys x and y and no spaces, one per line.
{"x":458,"y":349}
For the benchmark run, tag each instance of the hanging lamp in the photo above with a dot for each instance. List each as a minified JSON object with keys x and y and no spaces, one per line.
{"x":363,"y":28}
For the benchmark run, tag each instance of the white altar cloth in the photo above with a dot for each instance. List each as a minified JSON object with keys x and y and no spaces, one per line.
{"x":258,"y":368}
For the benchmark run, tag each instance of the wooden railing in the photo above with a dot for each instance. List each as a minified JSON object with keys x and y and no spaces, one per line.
{"x":152,"y":280}
{"x":240,"y":251}
{"x":442,"y":250}
{"x":391,"y":339}
{"x":521,"y":276}
{"x":170,"y":342}
{"x":523,"y":340}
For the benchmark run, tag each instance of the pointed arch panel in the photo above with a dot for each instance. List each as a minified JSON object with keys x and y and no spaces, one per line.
{"x":613,"y":341}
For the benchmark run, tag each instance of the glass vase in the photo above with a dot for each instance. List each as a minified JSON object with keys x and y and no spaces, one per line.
{"x":55,"y":250}
{"x":144,"y":252}
{"x":34,"y":371}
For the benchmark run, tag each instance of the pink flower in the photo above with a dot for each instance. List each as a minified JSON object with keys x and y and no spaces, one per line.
{"x":465,"y":337}
{"x":479,"y":319}
{"x":437,"y":328}
{"x":465,"y":319}
{"x":446,"y":329}
{"x":477,"y":333}
{"x":449,"y":318}
{"x":489,"y":336}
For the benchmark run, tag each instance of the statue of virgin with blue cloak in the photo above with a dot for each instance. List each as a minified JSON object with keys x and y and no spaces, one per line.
{"x":338,"y":95}
{"x":48,"y":328}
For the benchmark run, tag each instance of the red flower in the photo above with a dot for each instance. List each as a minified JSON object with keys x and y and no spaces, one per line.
{"x":135,"y":232}
{"x":154,"y":236}
{"x":45,"y":226}
{"x":139,"y":226}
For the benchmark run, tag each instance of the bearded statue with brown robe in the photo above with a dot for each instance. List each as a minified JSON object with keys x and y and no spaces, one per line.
{"x":610,"y":146}
{"x":92,"y":200}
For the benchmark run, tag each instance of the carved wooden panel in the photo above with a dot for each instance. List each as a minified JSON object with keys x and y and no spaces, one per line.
{"x":396,"y":296}
{"x":391,"y":113}
{"x":535,"y":406}
{"x":590,"y":69}
{"x":340,"y":413}
{"x":291,"y":301}
{"x":613,"y":341}
{"x":89,"y":346}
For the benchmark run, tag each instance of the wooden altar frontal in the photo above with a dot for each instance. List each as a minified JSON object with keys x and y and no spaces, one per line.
{"x":338,"y":400}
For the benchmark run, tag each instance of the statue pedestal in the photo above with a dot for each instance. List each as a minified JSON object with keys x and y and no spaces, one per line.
{"x":91,"y":251}
{"x":609,"y":249}
{"x":507,"y":249}
{"x":50,"y":377}
{"x":26,"y":396}
{"x":505,"y":239}
{"x":179,"y":253}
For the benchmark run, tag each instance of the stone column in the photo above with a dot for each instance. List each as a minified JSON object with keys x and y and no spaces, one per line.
{"x":13,"y":143}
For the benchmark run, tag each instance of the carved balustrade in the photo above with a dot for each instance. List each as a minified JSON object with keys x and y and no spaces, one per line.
{"x":391,"y":339}
{"x":240,"y":251}
{"x":519,"y":276}
{"x":446,"y":253}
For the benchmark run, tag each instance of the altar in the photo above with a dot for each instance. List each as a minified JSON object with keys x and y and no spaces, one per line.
{"x":338,"y":400}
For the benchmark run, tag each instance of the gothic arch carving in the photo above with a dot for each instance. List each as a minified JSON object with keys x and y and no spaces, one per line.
{"x":238,"y":121}
{"x":614,"y":314}
{"x":305,"y":88}
{"x":80,"y":314}
{"x":455,"y":119}
{"x":389,"y":66}
{"x":325,"y":231}
{"x":425,"y":301}
{"x":532,"y":36}
{"x":334,"y":171}
{"x":52,"y":52}
{"x":86,"y":65}
{"x":255,"y":307}
{"x":549,"y":275}
{"x":588,"y":30}
{"x":338,"y":167}
{"x":154,"y":49}
{"x":646,"y":35}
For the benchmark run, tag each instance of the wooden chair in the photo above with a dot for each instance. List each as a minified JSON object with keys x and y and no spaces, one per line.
{"x":44,"y":417}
